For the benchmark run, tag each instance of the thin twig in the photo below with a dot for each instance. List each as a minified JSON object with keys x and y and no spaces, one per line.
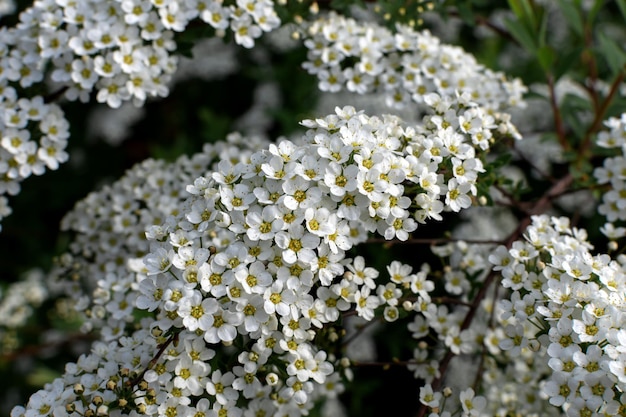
{"x":155,"y":359}
{"x":600,"y":115}
{"x":556,"y":114}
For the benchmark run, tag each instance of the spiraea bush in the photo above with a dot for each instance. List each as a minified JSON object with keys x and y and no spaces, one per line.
{"x":448,"y":236}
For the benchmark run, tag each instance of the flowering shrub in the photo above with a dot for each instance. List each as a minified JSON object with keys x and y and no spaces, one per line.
{"x":260,"y":276}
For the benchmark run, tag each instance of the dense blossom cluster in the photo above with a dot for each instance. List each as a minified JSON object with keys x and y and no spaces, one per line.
{"x":33,"y":138}
{"x":406,"y":65}
{"x":17,"y":304}
{"x":613,"y":173}
{"x":570,"y":304}
{"x":118,"y":51}
{"x":122,"y":50}
{"x":227,"y":283}
{"x":109,"y":228}
{"x":260,"y":252}
{"x":255,"y":260}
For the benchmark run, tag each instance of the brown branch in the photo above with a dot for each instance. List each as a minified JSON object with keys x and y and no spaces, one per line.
{"x":155,"y":359}
{"x":589,"y":58}
{"x":600,"y":115}
{"x":483,"y":21}
{"x":556,"y":114}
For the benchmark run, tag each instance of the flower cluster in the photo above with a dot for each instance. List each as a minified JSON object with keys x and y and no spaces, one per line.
{"x":17,"y":305}
{"x":404,"y":66}
{"x":109,"y":225}
{"x":253,"y":266}
{"x":7,"y":7}
{"x":613,"y":172}
{"x":568,"y":304}
{"x":261,"y":250}
{"x":122,"y":50}
{"x":33,"y":138}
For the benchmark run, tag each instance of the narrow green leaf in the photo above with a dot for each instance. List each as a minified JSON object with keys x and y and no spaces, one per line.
{"x":529,"y":12}
{"x":595,"y":9}
{"x":546,"y":57}
{"x":543,"y":30}
{"x":565,"y":61}
{"x":572,"y":15}
{"x":612,"y":52}
{"x":572,"y":107}
{"x":622,"y":7}
{"x":466,"y":13}
{"x":517,"y":8}
{"x":522,"y":35}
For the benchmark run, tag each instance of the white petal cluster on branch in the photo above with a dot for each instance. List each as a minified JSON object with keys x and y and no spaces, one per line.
{"x":255,"y":261}
{"x":121,"y":50}
{"x":406,"y":65}
{"x":613,"y":172}
{"x":109,"y":227}
{"x":572,"y":303}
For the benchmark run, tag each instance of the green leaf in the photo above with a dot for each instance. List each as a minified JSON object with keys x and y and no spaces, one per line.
{"x":546,"y":57}
{"x":517,"y":8}
{"x":572,"y":107}
{"x":595,"y":9}
{"x":565,"y":62}
{"x":543,"y":30}
{"x":466,"y":13}
{"x":572,"y":15}
{"x":522,"y":35}
{"x":612,"y":52}
{"x":502,"y":160}
{"x":530,"y":13}
{"x":622,"y":7}
{"x":526,"y":15}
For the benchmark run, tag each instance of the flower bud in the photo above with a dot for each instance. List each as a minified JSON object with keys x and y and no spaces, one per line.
{"x":272,"y":379}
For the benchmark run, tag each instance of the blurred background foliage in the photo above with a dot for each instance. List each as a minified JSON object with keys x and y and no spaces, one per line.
{"x":198,"y":111}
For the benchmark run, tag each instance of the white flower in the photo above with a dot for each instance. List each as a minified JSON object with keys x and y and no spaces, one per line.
{"x":246,"y":31}
{"x":341,"y":179}
{"x":220,"y":386}
{"x":297,"y":244}
{"x":196,"y":312}
{"x":457,"y":197}
{"x":224,"y":326}
{"x":472,"y":405}
{"x":158,"y":260}
{"x":428,"y":397}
